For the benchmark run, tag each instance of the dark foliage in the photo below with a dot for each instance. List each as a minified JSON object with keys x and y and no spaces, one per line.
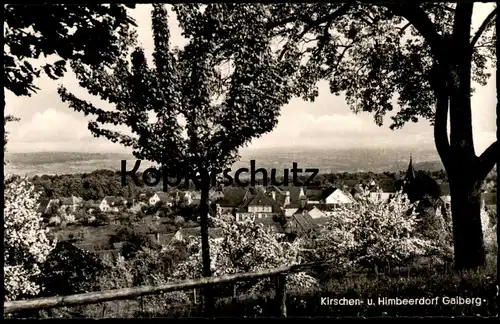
{"x":89,"y":186}
{"x":70,"y":270}
{"x":422,"y":188}
{"x":88,"y":33}
{"x":134,"y":241}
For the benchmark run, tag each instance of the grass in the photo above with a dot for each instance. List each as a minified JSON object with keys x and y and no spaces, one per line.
{"x":429,"y":284}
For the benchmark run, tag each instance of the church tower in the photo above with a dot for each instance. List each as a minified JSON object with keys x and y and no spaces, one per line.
{"x":410,"y":173}
{"x":409,"y":182}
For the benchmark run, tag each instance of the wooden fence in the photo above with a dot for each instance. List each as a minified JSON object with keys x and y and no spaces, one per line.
{"x":128,"y":293}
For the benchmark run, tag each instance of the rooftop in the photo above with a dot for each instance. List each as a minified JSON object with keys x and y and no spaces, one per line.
{"x":164,"y":196}
{"x":260,"y":199}
{"x":233,"y":197}
{"x":304,"y":221}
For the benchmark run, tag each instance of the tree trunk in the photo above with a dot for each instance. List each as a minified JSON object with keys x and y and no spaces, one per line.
{"x":205,"y":247}
{"x":451,"y":82}
{"x":466,"y":173}
{"x":467,"y":231}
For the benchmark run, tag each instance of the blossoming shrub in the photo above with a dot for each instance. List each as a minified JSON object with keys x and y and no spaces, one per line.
{"x":371,"y":234}
{"x":489,"y":232}
{"x":245,"y":247}
{"x":26,"y":245}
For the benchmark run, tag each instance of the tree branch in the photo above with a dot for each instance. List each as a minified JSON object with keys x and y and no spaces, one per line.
{"x":328,"y":18}
{"x":419,"y":19}
{"x":313,"y":24}
{"x":487,"y":161}
{"x":439,"y":87}
{"x":483,"y":27}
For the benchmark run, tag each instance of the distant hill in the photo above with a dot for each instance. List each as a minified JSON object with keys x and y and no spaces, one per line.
{"x":40,"y":158}
{"x":327,"y":160}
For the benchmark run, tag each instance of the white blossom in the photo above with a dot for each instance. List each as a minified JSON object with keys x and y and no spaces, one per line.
{"x":371,"y":233}
{"x":25,"y":242}
{"x":246,"y":247}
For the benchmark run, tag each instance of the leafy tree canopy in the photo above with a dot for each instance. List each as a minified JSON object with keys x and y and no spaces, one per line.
{"x":205,"y":103}
{"x":88,"y":33}
{"x":374,"y":56}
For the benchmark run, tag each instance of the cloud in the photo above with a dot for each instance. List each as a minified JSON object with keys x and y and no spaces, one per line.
{"x":52,"y":125}
{"x":53,"y":130}
{"x":342,"y":131}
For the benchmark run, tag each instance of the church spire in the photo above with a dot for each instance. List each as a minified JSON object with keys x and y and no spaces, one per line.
{"x":410,"y":173}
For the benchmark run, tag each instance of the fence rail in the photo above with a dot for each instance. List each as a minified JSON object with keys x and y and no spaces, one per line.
{"x":129,"y":293}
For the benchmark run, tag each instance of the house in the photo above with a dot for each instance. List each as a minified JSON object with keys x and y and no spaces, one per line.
{"x":68,"y":218}
{"x":325,"y":199}
{"x":55,"y":220}
{"x":233,"y":198}
{"x":333,"y":196}
{"x":296,"y":196}
{"x":104,"y":206}
{"x":315,"y":212}
{"x":46,"y":204}
{"x":258,"y":206}
{"x":379,"y":191}
{"x":378,"y":195}
{"x":215,"y":194}
{"x":326,"y":209}
{"x":300,"y":223}
{"x":143,"y":197}
{"x":184,"y":233}
{"x":137,"y":207}
{"x":191,"y":198}
{"x":160,"y":196}
{"x":111,"y":204}
{"x":70,"y":204}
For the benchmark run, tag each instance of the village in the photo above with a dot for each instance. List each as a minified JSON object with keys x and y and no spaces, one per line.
{"x":92,"y":225}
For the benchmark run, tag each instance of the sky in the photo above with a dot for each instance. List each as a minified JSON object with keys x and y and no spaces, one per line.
{"x":48,"y":124}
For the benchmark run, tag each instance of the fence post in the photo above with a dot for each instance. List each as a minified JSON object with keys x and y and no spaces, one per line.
{"x":281,"y":294}
{"x":233,"y":300}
